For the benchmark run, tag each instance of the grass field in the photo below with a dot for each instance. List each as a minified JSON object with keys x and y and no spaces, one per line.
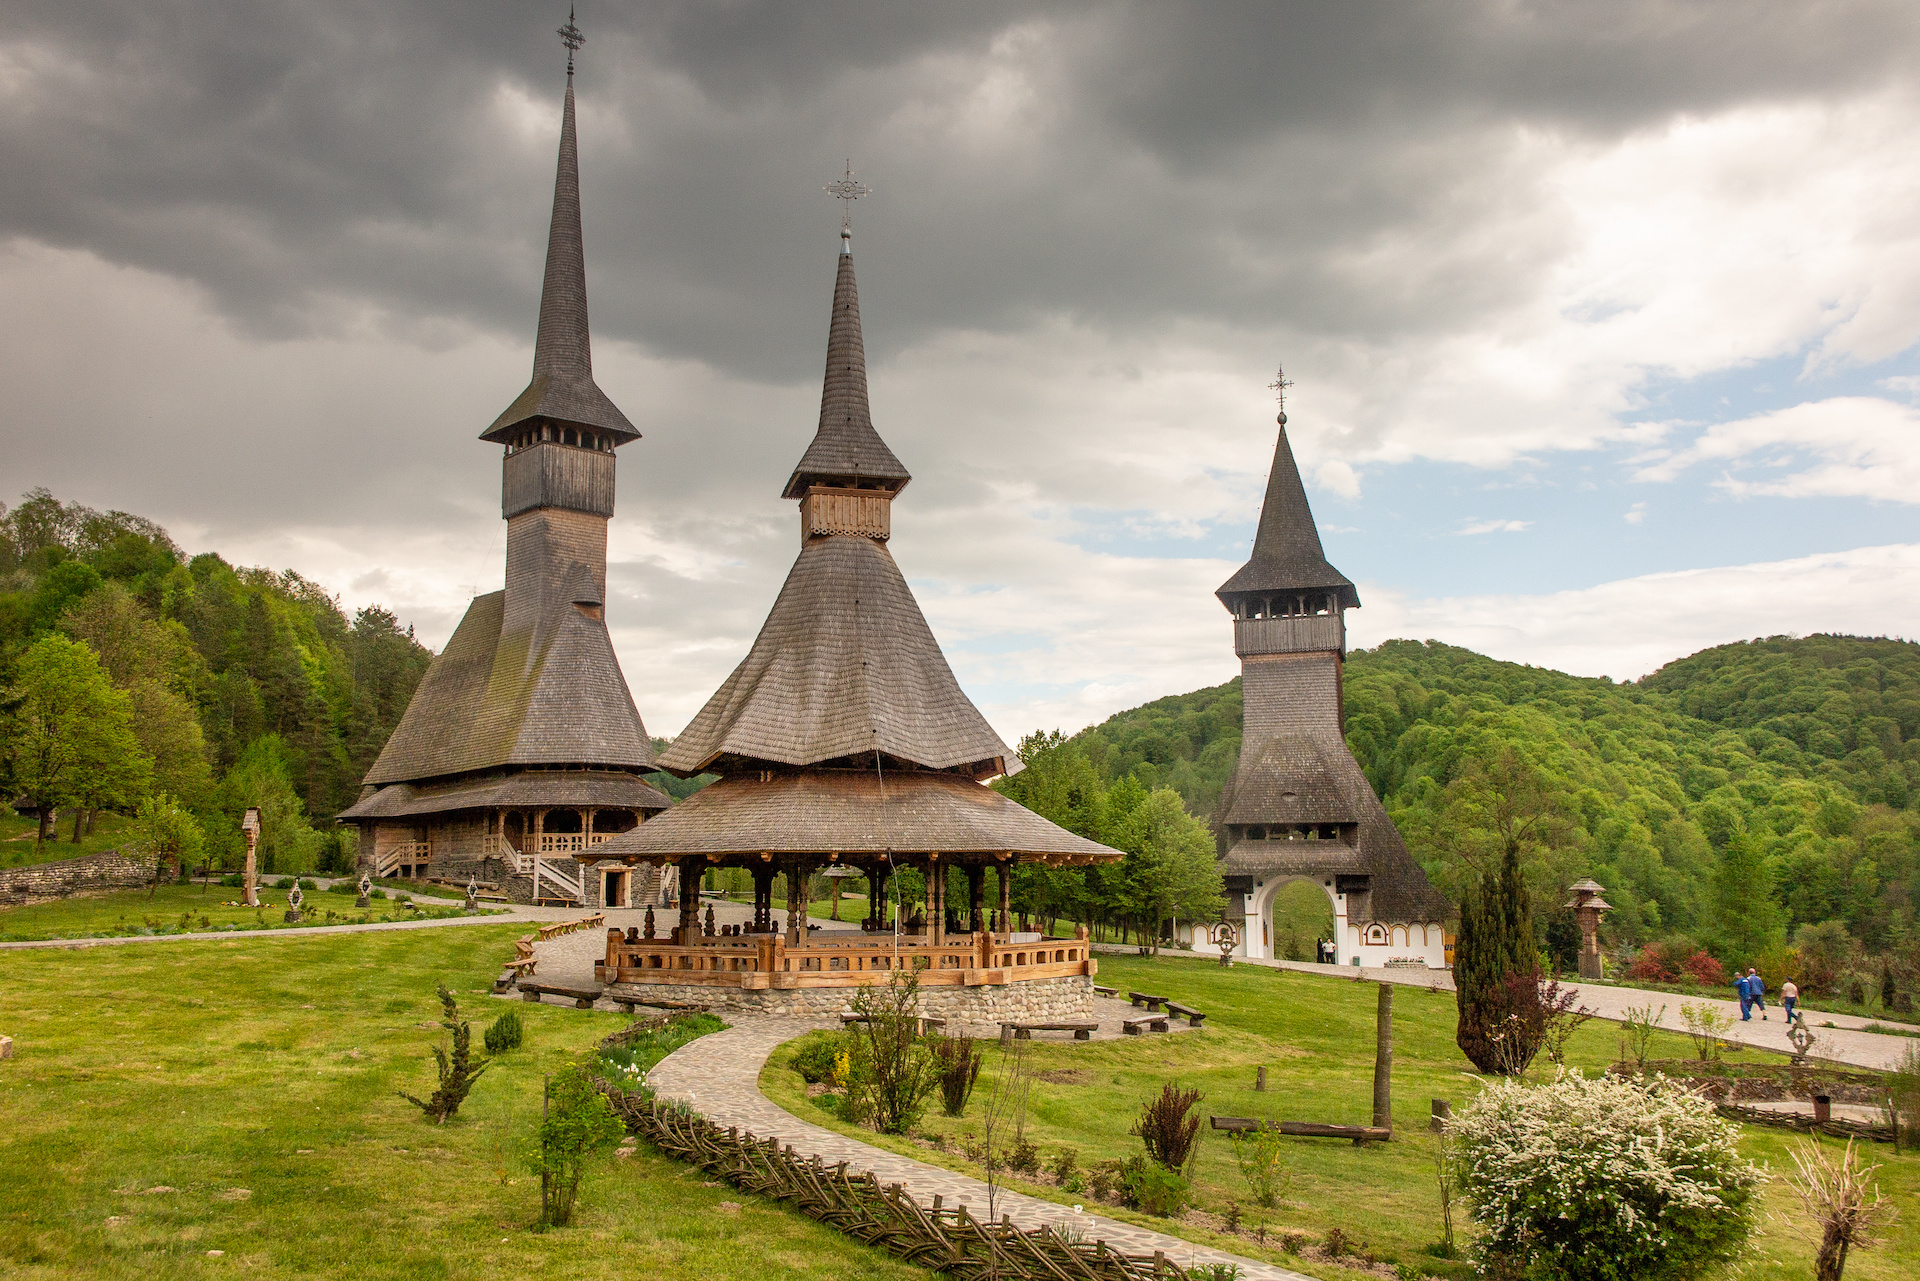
{"x":18,"y":848}
{"x":1315,"y":1034}
{"x":254,"y":1081}
{"x":193,"y":909}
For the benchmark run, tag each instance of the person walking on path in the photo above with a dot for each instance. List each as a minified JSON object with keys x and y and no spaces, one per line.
{"x":1746,"y":998}
{"x":1790,"y":997}
{"x":1757,"y":992}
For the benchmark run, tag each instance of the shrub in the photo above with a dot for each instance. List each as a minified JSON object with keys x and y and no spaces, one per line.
{"x":1705,"y":970}
{"x":1594,"y":1180}
{"x":458,"y":1071}
{"x":1706,"y":1025}
{"x":1023,"y":1157}
{"x":892,"y":1072}
{"x":1152,"y":1188}
{"x":957,"y":1061}
{"x":1842,"y":1198}
{"x":505,"y":1033}
{"x":1065,"y":1166}
{"x":1169,"y":1127}
{"x":579,"y":1122}
{"x":814,"y":1057}
{"x":1262,"y":1164}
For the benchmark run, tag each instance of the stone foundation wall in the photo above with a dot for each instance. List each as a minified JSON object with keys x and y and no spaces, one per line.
{"x":1035,"y":1000}
{"x":39,"y":882}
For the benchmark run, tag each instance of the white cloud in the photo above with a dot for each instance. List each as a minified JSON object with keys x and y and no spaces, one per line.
{"x":1635,"y":514}
{"x":1629,"y":628}
{"x":1846,"y":447}
{"x":1494,"y":527}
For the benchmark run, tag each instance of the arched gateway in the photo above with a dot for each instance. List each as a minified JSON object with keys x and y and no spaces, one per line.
{"x":1298,"y":807}
{"x":843,"y":738}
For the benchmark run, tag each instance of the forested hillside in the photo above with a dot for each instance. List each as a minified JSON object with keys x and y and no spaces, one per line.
{"x":1733,"y":796}
{"x":238,"y":686}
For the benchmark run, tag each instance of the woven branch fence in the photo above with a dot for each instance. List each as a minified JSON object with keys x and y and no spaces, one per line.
{"x":952,"y":1241}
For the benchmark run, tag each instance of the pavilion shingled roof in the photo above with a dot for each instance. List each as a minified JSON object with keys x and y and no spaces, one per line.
{"x":855,"y":813}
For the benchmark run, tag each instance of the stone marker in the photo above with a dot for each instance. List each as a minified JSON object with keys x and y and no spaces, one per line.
{"x":366,"y":891}
{"x":295,"y":897}
{"x":472,"y":907}
{"x":6,"y":1047}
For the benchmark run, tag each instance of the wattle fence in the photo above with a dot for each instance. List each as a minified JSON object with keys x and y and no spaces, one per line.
{"x":952,"y":1241}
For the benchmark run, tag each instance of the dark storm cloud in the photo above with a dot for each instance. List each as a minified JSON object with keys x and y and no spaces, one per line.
{"x":1122,"y":163}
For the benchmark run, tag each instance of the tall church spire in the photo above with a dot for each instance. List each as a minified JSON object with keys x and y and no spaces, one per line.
{"x":562,"y":389}
{"x":1287,"y":556}
{"x":846,"y":451}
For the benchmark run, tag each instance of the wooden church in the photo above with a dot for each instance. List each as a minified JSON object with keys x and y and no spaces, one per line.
{"x":522,"y":747}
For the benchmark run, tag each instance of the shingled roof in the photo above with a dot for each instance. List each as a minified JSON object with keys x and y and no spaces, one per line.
{"x":1303,"y":780}
{"x":562,"y":388}
{"x":853,"y":813}
{"x":554,"y":696}
{"x":846,"y":450}
{"x":1286,"y":549}
{"x":845,"y":665}
{"x":601,"y":789}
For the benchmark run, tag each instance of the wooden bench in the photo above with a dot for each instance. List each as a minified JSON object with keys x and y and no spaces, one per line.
{"x":582,"y":997}
{"x":1187,"y":1012}
{"x":921,"y":1026}
{"x":654,"y":1003}
{"x":1146,"y":1022}
{"x":1360,"y":1134}
{"x":1105,"y":991}
{"x":1146,"y":1002}
{"x":1025,"y":1031}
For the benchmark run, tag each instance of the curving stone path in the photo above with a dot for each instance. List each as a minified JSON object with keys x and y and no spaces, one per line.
{"x":719,"y":1076}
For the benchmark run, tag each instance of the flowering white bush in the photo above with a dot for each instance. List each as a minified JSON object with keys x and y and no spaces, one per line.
{"x":1603,"y":1180}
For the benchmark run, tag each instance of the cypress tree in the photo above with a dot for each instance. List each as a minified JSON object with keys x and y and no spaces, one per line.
{"x":1495,"y":943}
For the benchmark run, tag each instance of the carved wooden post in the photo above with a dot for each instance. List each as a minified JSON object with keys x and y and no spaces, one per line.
{"x":689,"y":932}
{"x":976,"y":894}
{"x":251,"y":826}
{"x":1383,"y":1060}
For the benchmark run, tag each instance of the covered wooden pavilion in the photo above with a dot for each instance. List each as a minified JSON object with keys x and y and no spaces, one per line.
{"x":843,"y":738}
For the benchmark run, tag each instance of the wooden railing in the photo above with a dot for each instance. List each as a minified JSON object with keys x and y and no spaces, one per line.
{"x":390,"y":859}
{"x":769,"y":961}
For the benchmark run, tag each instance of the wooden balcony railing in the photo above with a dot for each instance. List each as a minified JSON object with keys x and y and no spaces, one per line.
{"x":756,"y":961}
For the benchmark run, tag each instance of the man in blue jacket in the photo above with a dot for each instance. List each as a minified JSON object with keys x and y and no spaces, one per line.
{"x":1757,"y":992}
{"x":1746,"y":998}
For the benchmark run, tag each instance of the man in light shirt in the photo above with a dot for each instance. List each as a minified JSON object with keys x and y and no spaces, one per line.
{"x":1789,"y":997}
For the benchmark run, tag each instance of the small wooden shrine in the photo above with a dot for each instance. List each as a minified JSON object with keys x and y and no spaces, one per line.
{"x":1298,"y":807}
{"x":522,"y":747}
{"x":843,"y":738}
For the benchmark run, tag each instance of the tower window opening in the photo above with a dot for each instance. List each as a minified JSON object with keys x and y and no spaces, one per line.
{"x":567,"y":437}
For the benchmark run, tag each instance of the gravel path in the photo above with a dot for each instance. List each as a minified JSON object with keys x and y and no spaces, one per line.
{"x":1843,"y":1043}
{"x":719,"y":1076}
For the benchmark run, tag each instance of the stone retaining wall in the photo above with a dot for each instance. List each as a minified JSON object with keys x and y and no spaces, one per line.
{"x":41,"y":882}
{"x":1031,"y":1001}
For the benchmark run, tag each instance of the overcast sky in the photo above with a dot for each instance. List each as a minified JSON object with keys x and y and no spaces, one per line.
{"x":1602,"y":318}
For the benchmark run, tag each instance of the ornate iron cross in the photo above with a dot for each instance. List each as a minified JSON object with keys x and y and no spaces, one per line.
{"x":846,"y":189}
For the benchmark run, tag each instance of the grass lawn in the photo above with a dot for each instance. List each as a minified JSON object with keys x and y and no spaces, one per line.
{"x":193,"y":909}
{"x":239,"y":1095}
{"x":17,"y":846}
{"x":1315,"y":1035}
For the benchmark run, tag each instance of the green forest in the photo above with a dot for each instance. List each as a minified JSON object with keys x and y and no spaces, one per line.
{"x":132,"y":671}
{"x":1749,"y":797}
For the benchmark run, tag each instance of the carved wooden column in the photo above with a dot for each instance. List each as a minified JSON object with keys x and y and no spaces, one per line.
{"x":976,"y":892}
{"x":1005,"y":925}
{"x":689,"y":932}
{"x":936,"y":900}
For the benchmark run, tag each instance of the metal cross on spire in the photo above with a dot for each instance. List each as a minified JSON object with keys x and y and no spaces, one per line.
{"x":846,"y":189}
{"x":572,"y":37}
{"x":1279,"y":387}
